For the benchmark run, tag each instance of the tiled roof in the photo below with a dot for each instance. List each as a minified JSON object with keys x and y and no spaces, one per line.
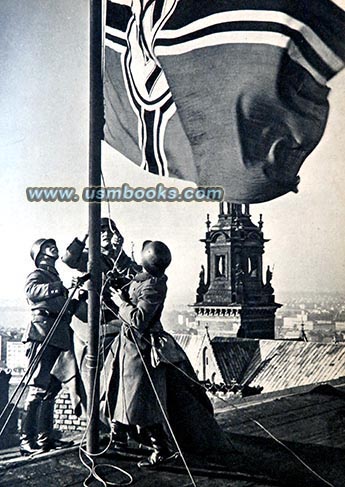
{"x":192,"y":345}
{"x":279,"y":364}
{"x":234,"y":359}
{"x":272,"y":364}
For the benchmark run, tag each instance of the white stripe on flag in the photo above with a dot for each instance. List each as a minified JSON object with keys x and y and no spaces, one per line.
{"x":115,"y":32}
{"x":122,"y":2}
{"x":156,"y":145}
{"x":142,"y":138}
{"x":326,"y":54}
{"x":166,"y":116}
{"x":242,"y":37}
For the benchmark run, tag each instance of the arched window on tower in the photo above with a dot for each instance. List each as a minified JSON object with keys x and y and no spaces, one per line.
{"x":220,"y":267}
{"x":253,"y":265}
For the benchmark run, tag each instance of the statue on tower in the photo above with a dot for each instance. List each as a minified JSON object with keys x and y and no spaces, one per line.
{"x":268,"y":286}
{"x":239,"y":289}
{"x":202,"y":288}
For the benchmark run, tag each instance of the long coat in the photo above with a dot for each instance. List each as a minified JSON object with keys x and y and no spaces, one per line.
{"x":136,"y":402}
{"x":127,"y":394}
{"x":71,"y":367}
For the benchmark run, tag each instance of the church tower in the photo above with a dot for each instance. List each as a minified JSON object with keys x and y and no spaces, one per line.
{"x":232,"y":297}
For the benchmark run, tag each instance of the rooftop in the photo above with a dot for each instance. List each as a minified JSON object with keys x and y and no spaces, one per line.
{"x":274,"y":365}
{"x":309,"y":420}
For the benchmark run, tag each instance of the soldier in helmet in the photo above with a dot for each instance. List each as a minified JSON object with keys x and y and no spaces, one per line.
{"x":145,"y":363}
{"x":117,"y":269}
{"x":46,"y":296}
{"x":115,"y":264}
{"x":140,"y":312}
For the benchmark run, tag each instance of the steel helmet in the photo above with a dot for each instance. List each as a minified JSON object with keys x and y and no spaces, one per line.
{"x":108,"y":222}
{"x":156,"y":257}
{"x":37,"y":247}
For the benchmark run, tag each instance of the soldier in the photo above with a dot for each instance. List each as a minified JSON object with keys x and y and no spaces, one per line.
{"x":136,"y":404}
{"x":46,"y":296}
{"x":117,"y":269}
{"x":144,"y":361}
{"x":115,"y":263}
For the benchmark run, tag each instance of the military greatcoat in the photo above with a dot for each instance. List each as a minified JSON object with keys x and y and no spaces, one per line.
{"x":128,"y":396}
{"x":136,"y":402}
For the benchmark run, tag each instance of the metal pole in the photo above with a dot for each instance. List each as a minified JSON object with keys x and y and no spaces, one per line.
{"x":94,"y":267}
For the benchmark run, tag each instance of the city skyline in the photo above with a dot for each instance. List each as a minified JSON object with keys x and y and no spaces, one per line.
{"x":43,"y":133}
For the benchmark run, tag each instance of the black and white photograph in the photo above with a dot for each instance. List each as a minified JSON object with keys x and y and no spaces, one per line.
{"x":172,"y":193}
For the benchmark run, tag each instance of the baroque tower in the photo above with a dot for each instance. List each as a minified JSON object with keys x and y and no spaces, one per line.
{"x":232,"y":298}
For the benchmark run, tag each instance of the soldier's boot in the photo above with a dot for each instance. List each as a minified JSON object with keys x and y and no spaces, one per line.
{"x":119,"y":438}
{"x":28,"y":443}
{"x":45,"y":439}
{"x":161,"y":448}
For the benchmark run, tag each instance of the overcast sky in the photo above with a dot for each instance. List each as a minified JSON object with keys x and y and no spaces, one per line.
{"x":43,"y":141}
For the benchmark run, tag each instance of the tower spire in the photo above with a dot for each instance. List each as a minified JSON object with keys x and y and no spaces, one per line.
{"x":233,"y":297}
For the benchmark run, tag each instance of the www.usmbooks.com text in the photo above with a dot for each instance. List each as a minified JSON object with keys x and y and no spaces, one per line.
{"x":124,"y":193}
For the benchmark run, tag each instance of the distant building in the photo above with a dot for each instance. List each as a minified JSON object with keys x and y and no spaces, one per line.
{"x":291,"y":327}
{"x":15,"y":355}
{"x":340,"y":326}
{"x":316,"y":326}
{"x":232,"y":299}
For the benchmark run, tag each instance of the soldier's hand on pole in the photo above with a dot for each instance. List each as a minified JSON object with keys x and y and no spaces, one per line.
{"x":80,"y":280}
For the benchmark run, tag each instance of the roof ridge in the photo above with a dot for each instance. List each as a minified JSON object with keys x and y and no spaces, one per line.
{"x":209,"y":340}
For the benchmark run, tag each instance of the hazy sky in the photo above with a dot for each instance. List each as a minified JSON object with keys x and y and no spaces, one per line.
{"x":43,"y":142}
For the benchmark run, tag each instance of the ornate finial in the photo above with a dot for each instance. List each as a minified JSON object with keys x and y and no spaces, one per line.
{"x":208,"y":222}
{"x":207,"y":332}
{"x":261,"y":223}
{"x":302,"y":336}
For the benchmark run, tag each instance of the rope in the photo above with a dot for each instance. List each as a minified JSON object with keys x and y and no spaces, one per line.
{"x":107,"y":199}
{"x":160,"y":405}
{"x":33,"y":365}
{"x":281,"y":443}
{"x":310,"y":469}
{"x":162,"y":409}
{"x":142,"y":359}
{"x":92,"y":468}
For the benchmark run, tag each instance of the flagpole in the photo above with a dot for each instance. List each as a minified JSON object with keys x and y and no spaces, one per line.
{"x":96,"y":119}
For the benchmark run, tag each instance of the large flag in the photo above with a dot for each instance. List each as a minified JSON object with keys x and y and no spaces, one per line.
{"x":229,"y":93}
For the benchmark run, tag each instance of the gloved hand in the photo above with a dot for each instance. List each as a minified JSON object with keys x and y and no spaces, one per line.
{"x":74,"y":282}
{"x":117,"y":240}
{"x":117,"y":296}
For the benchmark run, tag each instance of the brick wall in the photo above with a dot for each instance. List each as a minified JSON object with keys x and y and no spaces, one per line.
{"x":64,"y":419}
{"x":10,"y":436}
